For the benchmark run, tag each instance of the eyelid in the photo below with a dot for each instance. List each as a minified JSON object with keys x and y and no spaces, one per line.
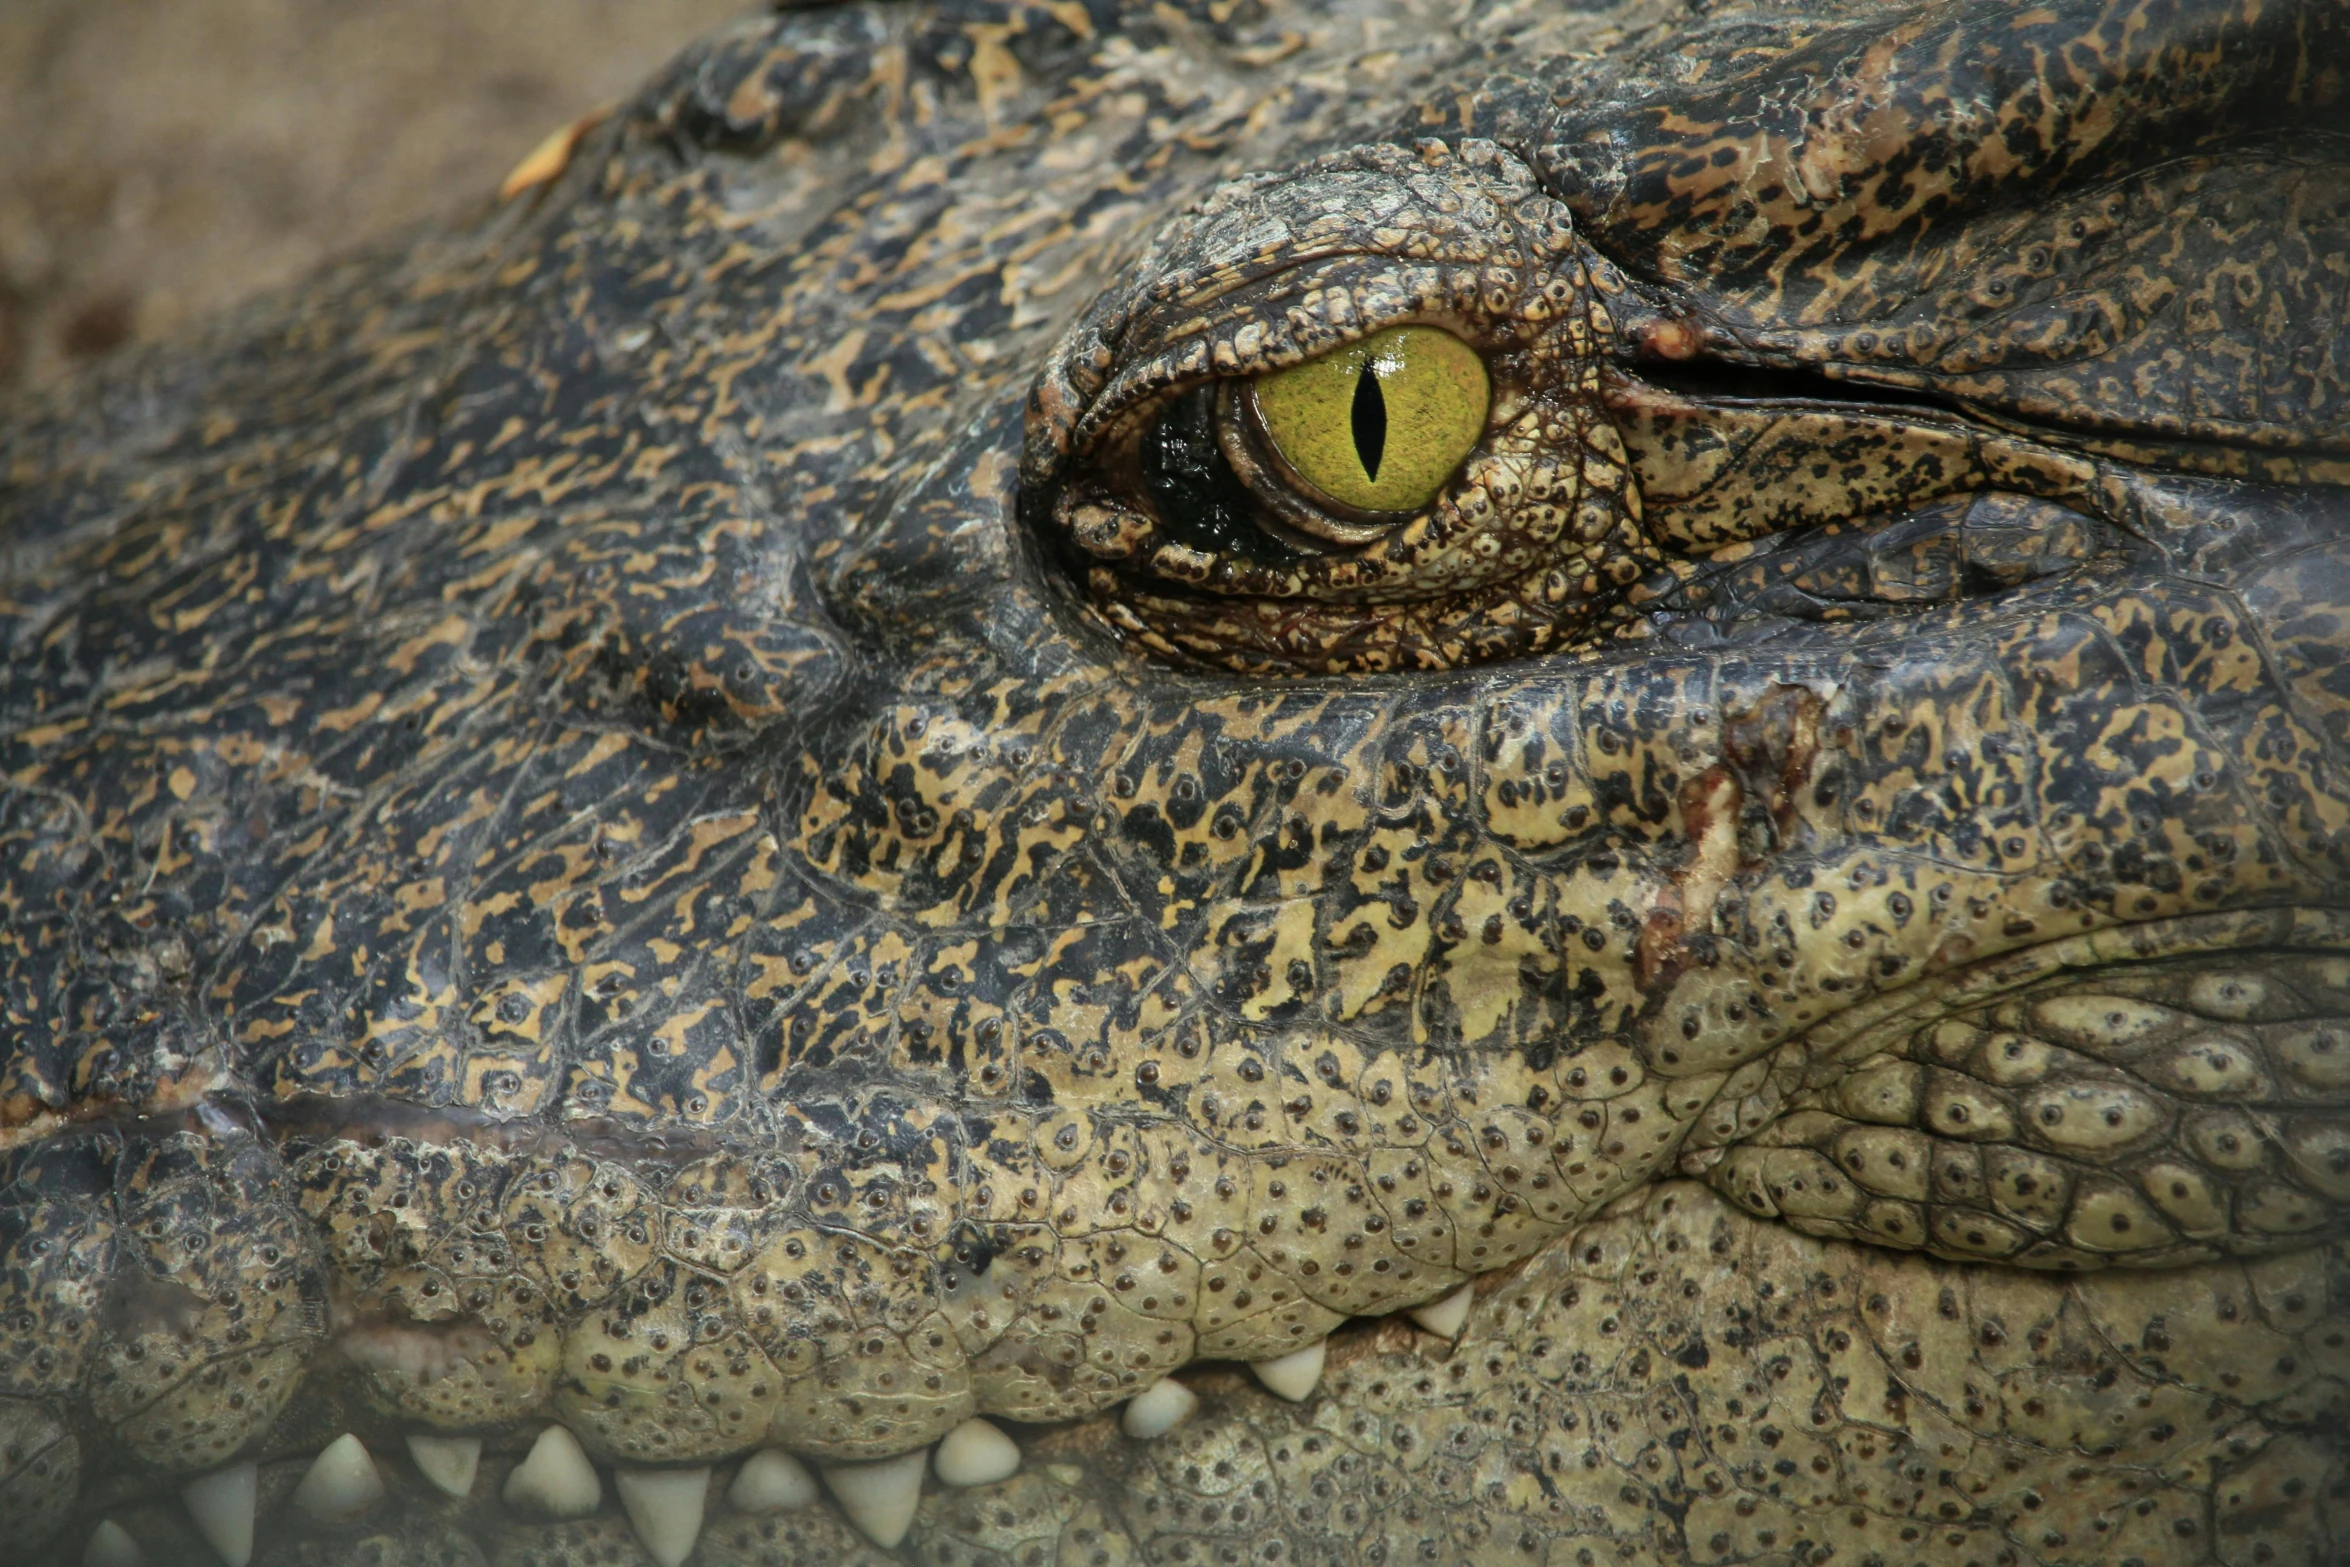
{"x":1293,"y":500}
{"x":1127,"y":388}
{"x":1437,"y":388}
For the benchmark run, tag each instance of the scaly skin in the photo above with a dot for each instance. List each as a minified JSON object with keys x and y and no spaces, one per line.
{"x":629,"y":818}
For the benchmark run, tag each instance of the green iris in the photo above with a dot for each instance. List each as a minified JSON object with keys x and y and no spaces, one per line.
{"x":1379,"y":425}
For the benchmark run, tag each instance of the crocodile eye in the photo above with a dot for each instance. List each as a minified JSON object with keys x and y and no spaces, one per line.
{"x":1371,"y":432}
{"x":1373,"y":444}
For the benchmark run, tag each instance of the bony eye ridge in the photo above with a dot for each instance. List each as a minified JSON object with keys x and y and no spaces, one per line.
{"x":1346,"y":446}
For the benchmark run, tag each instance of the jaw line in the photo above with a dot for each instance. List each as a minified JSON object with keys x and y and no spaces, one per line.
{"x":1858,"y":1029}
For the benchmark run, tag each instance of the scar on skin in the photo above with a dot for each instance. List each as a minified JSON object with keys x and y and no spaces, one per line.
{"x":1667,"y":339}
{"x":142,"y":1302}
{"x":1770,"y":748}
{"x":546,"y":162}
{"x":425,"y":1353}
{"x":1709,"y":809}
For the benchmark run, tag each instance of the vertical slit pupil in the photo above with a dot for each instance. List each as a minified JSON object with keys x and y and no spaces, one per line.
{"x":1370,"y":422}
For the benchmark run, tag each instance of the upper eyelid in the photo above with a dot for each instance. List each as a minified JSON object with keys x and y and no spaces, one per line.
{"x":1135,"y":387}
{"x":1184,"y":291}
{"x":1171,"y":362}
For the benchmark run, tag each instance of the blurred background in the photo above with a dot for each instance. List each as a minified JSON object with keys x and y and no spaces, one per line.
{"x":160,"y":159}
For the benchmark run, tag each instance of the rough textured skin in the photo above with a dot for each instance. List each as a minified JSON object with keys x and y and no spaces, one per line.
{"x":603,"y":826}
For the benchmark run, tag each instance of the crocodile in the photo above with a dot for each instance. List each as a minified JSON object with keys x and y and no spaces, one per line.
{"x":1228,"y":781}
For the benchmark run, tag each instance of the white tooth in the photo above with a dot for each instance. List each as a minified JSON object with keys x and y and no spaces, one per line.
{"x":666,"y":1507}
{"x":111,"y":1545}
{"x":769,"y":1481}
{"x":447,"y":1461}
{"x":976,"y":1453}
{"x":1445,"y":1318}
{"x":880,"y":1497}
{"x":556,"y":1480}
{"x":1158,"y":1409}
{"x":221,"y":1503}
{"x":341,"y":1482}
{"x":1294,"y":1376}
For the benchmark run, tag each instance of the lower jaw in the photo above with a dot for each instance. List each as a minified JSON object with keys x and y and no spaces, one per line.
{"x":423,"y":1355}
{"x":1937,"y":1415}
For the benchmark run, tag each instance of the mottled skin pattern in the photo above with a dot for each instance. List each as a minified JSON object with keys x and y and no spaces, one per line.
{"x":627,"y":816}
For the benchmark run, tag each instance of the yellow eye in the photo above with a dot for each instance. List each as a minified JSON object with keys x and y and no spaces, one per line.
{"x":1379,"y":425}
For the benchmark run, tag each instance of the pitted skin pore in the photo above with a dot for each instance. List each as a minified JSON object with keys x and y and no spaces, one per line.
{"x":618,"y":816}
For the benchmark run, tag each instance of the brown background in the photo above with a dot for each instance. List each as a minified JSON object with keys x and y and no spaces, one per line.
{"x":160,"y":159}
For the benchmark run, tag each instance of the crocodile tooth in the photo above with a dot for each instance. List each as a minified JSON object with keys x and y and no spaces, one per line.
{"x":976,"y":1453}
{"x":556,"y":1480}
{"x":447,"y":1461}
{"x":221,"y":1503}
{"x":1293,"y":1376}
{"x":1158,"y":1409}
{"x":1445,"y":1318}
{"x":880,"y":1497}
{"x":341,"y":1482}
{"x":111,"y":1545}
{"x":769,"y":1480}
{"x":665,"y":1505}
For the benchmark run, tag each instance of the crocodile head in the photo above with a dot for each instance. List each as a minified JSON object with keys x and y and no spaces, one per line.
{"x":1616,"y":736}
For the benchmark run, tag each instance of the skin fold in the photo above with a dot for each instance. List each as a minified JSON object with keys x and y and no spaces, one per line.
{"x":645,"y":816}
